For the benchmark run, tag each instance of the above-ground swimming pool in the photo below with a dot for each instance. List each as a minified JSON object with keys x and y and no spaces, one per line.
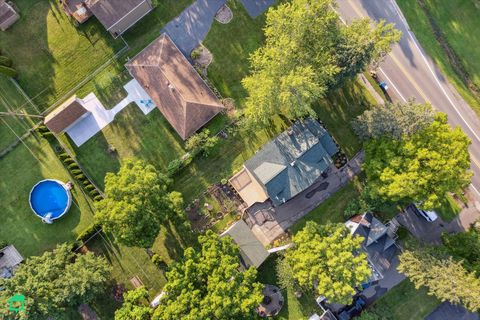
{"x":50,"y":199}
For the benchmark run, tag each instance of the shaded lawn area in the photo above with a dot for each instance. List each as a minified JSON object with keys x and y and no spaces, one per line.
{"x":19,"y":172}
{"x":404,"y":302}
{"x":50,"y":53}
{"x":231,"y":57}
{"x":12,"y":101}
{"x":294,"y":308}
{"x":449,"y":209}
{"x":458,"y":29}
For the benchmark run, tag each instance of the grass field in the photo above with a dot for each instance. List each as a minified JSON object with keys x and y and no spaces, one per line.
{"x":457,"y":21}
{"x":404,"y":302}
{"x":20,"y":170}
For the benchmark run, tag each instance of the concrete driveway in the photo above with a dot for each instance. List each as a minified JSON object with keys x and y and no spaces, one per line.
{"x":429,"y":232}
{"x":256,"y":7}
{"x":447,"y":311}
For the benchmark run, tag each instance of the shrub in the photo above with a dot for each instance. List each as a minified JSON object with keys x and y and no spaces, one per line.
{"x":73,"y":166}
{"x":90,"y":231}
{"x":68,"y":161}
{"x":47,"y":134}
{"x":97,"y":198}
{"x":174,"y":166}
{"x":64,"y":155}
{"x":86,"y":183}
{"x":5,"y":61}
{"x":89,"y":187}
{"x":195,"y":54}
{"x":76,"y":171}
{"x":80,"y":177}
{"x":159,"y":262}
{"x":94,"y":193}
{"x":202,"y":143}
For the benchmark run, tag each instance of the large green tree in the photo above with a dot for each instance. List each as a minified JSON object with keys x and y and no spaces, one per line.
{"x":421,"y":167}
{"x":329,"y":258}
{"x":393,"y":120}
{"x":135,"y":306}
{"x":465,"y":247}
{"x":57,"y":280}
{"x":445,"y":278}
{"x":307,"y":51}
{"x":137,"y":202}
{"x":207,"y":284}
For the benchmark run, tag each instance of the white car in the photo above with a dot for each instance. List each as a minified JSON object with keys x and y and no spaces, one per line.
{"x":430,"y":216}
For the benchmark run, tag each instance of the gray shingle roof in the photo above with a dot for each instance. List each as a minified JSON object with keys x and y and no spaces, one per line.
{"x":293,"y":161}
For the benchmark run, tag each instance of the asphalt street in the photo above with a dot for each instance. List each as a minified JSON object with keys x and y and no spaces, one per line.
{"x":409,"y":73}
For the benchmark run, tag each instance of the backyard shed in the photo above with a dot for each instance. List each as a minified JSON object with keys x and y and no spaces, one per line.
{"x":66,"y":115}
{"x":10,"y":258}
{"x":252,"y":252}
{"x":175,"y":87}
{"x":8,"y":15}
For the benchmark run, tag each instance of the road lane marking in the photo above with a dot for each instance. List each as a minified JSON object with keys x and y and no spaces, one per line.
{"x":393,"y":84}
{"x":471,"y":185}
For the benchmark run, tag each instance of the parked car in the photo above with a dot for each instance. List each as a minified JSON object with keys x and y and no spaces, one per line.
{"x":430,"y":216}
{"x":354,"y":309}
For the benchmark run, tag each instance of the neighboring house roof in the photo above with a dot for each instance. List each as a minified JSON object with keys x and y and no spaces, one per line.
{"x":251,"y":249}
{"x":112,"y":12}
{"x":174,"y":86}
{"x":326,"y":315}
{"x":8,"y":15}
{"x":77,"y":9}
{"x":65,"y":115}
{"x":10,"y":258}
{"x":378,"y":244}
{"x":292,"y":161}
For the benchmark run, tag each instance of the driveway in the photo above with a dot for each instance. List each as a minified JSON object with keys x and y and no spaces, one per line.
{"x":420,"y":228}
{"x":190,"y":28}
{"x":390,"y":279}
{"x":447,"y":311}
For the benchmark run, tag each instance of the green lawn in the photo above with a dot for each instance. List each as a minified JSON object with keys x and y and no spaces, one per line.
{"x":19,"y":171}
{"x":458,"y":21}
{"x":12,"y":101}
{"x":404,"y":302}
{"x":294,"y":308}
{"x":50,"y":53}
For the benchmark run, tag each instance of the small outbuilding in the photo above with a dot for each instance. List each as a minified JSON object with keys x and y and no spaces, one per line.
{"x":8,"y":15}
{"x":10,"y":258}
{"x":66,"y":115}
{"x":252,"y":252}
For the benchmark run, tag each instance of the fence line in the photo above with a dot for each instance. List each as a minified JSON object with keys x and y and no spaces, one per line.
{"x":19,"y":88}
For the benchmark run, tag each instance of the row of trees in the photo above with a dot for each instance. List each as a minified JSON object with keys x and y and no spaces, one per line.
{"x":308,"y":51}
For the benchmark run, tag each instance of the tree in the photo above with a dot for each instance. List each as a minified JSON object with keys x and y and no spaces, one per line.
{"x":306,"y":52}
{"x":202,"y":143}
{"x":420,"y":168}
{"x":393,"y":120}
{"x":446,"y":279}
{"x":285,"y":275}
{"x":137,"y":203}
{"x":329,"y":258}
{"x":135,"y":306}
{"x":57,"y":280}
{"x":208,"y":284}
{"x":465,"y":247}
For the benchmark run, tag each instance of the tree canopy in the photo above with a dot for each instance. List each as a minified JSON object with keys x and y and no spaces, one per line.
{"x":137,"y":202}
{"x":57,"y":280}
{"x":307,"y":51}
{"x":329,"y":258}
{"x":420,"y":168}
{"x":465,"y":247}
{"x":445,"y":278}
{"x":208,"y":284}
{"x":393,"y":120}
{"x":135,"y":306}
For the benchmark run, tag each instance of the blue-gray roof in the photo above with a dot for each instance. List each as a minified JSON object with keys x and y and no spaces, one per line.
{"x":293,"y":161}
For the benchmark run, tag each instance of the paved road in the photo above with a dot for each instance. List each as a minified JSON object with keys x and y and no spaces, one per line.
{"x":411,"y":73}
{"x":447,"y":311}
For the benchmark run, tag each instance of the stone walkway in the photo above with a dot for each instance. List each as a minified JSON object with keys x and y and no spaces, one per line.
{"x":190,"y":28}
{"x":268,"y":222}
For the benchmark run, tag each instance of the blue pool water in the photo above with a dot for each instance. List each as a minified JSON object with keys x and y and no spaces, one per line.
{"x":49,"y":196}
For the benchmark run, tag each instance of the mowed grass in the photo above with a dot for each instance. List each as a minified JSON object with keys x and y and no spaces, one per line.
{"x":50,"y":53}
{"x":20,"y":170}
{"x":404,"y":302}
{"x":458,"y":21}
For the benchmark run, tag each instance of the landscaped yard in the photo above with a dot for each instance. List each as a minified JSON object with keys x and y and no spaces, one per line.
{"x":20,"y":170}
{"x":404,"y":302}
{"x":458,"y":29}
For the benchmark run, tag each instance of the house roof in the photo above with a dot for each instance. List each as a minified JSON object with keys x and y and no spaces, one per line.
{"x":293,"y":161}
{"x":6,"y":12}
{"x":251,"y":249}
{"x":11,"y":257}
{"x":77,"y":9}
{"x":174,"y":86}
{"x":248,"y":187}
{"x":377,"y":244}
{"x":65,"y":115}
{"x":110,"y":12}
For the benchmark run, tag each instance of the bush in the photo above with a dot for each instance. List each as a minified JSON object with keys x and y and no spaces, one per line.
{"x":73,"y":166}
{"x":80,"y":177}
{"x":47,"y":134}
{"x":174,"y":166}
{"x":64,"y":155}
{"x":86,"y":183}
{"x":5,"y":61}
{"x":97,"y":198}
{"x":76,"y":171}
{"x":94,"y":193}
{"x":195,"y":54}
{"x":68,"y":161}
{"x":90,"y":231}
{"x":9,"y":72}
{"x":202,"y":143}
{"x":89,"y":187}
{"x":159,"y":262}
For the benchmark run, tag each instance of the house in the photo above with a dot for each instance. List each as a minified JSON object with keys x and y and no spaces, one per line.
{"x":115,"y":15}
{"x":8,"y":15}
{"x":287,"y":165}
{"x":175,"y":87}
{"x":66,"y":115}
{"x":10,"y":258}
{"x":252,"y":252}
{"x":379,"y":242}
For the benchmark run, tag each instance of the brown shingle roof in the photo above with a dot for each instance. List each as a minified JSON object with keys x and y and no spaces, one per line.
{"x":65,"y":115}
{"x":174,"y":86}
{"x":109,"y":12}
